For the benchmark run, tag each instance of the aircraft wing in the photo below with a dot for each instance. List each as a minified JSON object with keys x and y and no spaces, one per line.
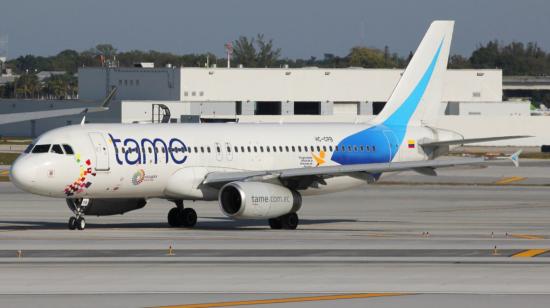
{"x":466,"y":141}
{"x":37,"y":115}
{"x":304,"y":177}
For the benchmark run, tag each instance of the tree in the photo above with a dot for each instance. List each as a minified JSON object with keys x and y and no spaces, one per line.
{"x":267,"y":55}
{"x":27,"y":86}
{"x":244,"y":52}
{"x":255,"y":52}
{"x":366,"y":57}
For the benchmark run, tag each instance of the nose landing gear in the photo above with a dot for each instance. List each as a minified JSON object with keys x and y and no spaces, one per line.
{"x":182,"y":217}
{"x":77,"y":206}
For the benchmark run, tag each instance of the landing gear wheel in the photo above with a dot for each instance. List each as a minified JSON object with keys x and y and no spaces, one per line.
{"x":72,"y":223}
{"x":80,"y":223}
{"x":290,"y":221}
{"x":188,"y":217}
{"x":275,"y":223}
{"x":173,"y":217}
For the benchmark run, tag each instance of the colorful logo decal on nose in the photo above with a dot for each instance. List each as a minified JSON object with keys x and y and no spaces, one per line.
{"x":138,"y":177}
{"x":80,"y":184}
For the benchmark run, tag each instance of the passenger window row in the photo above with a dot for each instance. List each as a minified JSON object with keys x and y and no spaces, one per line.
{"x":256,"y":149}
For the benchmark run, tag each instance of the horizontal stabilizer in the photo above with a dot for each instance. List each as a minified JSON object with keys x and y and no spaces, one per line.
{"x":466,"y":141}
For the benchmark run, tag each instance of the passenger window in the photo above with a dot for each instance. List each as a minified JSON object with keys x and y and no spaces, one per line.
{"x":262,"y":148}
{"x":242,"y":148}
{"x":349,"y":148}
{"x":29,"y":148}
{"x":354,"y":148}
{"x":312,"y":149}
{"x":248,"y":149}
{"x":280,"y":148}
{"x":56,"y":148}
{"x":318,"y":149}
{"x":236,"y":149}
{"x":374,"y":148}
{"x":267,"y":149}
{"x":343,"y":148}
{"x":324,"y":148}
{"x":286,"y":148}
{"x":41,"y":148}
{"x":150,"y":150}
{"x":293,"y":149}
{"x":330,"y":148}
{"x":299,"y":148}
{"x":274,"y":149}
{"x":255,"y":149}
{"x":368,"y":148}
{"x":202,"y":149}
{"x":208,"y":149}
{"x":197,"y":150}
{"x":335,"y":148}
{"x":228,"y":149}
{"x":218,"y":149}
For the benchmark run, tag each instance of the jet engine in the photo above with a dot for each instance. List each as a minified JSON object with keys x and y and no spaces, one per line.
{"x":256,"y":200}
{"x":104,"y":207}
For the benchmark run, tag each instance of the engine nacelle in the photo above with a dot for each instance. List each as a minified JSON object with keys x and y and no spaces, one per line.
{"x":105,"y":207}
{"x":256,"y":200}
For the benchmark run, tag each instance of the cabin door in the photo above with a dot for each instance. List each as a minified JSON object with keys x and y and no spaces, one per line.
{"x":101,"y":151}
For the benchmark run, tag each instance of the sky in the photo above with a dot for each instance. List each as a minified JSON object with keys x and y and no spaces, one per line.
{"x":301,"y":28}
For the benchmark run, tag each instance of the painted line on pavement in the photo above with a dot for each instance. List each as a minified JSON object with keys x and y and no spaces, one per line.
{"x":528,"y":236}
{"x":530,"y":253}
{"x":509,"y":180}
{"x":288,"y":300}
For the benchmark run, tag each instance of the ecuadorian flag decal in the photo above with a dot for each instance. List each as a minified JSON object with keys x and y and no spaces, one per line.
{"x":411,"y":143}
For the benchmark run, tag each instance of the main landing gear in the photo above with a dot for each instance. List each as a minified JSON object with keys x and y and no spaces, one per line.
{"x":288,"y":222}
{"x":182,"y":217}
{"x":77,"y":206}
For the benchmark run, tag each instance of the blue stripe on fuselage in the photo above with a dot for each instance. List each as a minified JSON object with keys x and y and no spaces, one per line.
{"x":396,"y":123}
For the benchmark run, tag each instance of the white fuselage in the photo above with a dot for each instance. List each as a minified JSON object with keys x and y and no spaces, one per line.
{"x":171,"y":160}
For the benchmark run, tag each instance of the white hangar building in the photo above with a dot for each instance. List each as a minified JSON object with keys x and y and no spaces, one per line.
{"x":228,"y":94}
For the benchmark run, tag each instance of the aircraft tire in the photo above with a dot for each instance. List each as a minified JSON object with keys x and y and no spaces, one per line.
{"x":275,"y":223}
{"x":80,"y":223}
{"x":188,"y":217}
{"x":290,"y":221}
{"x":72,"y":223}
{"x":174,"y":217}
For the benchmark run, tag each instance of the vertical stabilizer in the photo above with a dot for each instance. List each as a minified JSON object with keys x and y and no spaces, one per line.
{"x":417,"y":96}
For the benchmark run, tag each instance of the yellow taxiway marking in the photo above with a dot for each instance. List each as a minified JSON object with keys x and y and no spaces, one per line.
{"x":4,"y":172}
{"x":528,"y":236}
{"x":509,"y":180}
{"x":287,"y":300}
{"x":530,"y":253}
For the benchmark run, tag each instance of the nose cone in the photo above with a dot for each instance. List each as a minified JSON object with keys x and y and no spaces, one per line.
{"x":23,"y":174}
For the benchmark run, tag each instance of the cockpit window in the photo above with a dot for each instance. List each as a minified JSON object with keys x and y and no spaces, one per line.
{"x":68,"y":149}
{"x":56,"y":148}
{"x":41,"y":148}
{"x":29,"y":148}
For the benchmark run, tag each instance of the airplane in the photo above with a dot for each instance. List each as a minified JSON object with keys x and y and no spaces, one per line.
{"x":254,"y":171}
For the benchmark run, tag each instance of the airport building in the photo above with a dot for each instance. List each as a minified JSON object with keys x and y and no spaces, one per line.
{"x":231,"y":94}
{"x":472,"y":99}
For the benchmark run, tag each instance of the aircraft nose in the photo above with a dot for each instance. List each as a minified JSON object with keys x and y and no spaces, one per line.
{"x":23,"y":174}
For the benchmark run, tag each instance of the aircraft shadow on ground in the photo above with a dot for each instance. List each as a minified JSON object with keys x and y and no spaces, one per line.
{"x":219,"y":224}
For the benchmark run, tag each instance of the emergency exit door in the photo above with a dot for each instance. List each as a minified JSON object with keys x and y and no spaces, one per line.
{"x":101,"y":151}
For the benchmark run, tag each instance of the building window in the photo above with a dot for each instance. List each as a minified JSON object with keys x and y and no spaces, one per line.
{"x":125,"y":82}
{"x":119,"y":82}
{"x":201,"y":93}
{"x":131,"y":82}
{"x":185,"y":93}
{"x":137,"y":82}
{"x":193,"y":93}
